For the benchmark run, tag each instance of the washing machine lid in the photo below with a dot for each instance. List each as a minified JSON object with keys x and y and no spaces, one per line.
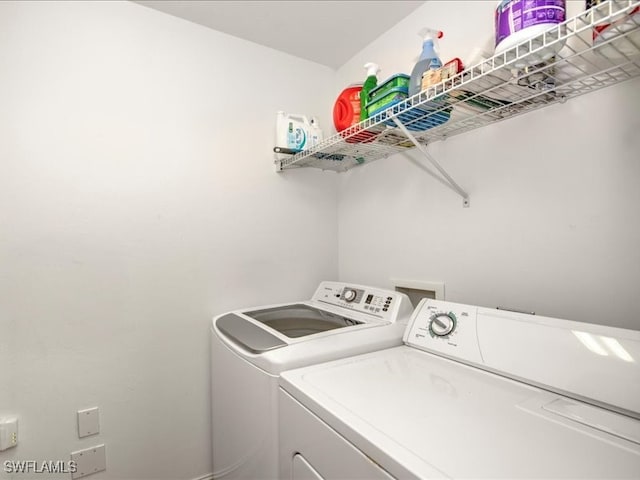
{"x":419,"y":415}
{"x":299,"y":320}
{"x":335,"y":307}
{"x":248,"y":335}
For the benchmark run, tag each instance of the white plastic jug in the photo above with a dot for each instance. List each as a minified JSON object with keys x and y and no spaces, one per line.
{"x":292,"y":131}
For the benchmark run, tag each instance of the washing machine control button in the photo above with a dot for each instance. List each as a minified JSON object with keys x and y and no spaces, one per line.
{"x":442,"y":324}
{"x":349,"y":294}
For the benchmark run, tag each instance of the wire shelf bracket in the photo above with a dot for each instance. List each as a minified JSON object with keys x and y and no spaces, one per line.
{"x":446,"y":178}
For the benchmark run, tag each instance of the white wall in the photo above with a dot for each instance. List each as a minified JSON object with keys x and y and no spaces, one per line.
{"x":137,"y":200}
{"x":553,"y":224}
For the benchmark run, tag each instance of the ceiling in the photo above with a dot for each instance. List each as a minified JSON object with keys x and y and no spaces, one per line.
{"x":325,"y":32}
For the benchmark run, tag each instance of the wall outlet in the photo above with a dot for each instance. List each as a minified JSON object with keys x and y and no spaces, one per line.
{"x":89,"y":461}
{"x":88,"y":422}
{"x":8,"y":433}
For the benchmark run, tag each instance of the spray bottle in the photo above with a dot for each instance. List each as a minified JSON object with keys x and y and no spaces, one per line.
{"x":369,"y":84}
{"x":429,"y":59}
{"x":315,"y":132}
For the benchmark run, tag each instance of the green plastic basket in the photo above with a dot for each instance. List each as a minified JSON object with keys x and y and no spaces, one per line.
{"x":399,"y":80}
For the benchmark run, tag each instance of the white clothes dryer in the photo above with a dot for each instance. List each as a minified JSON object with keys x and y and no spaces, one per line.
{"x":473,"y":393}
{"x":252,"y":346}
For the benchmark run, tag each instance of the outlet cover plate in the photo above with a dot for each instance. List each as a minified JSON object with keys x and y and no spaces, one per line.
{"x":88,"y":422}
{"x":89,"y":461}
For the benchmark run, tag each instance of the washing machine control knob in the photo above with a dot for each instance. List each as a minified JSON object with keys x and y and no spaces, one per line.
{"x":442,"y":324}
{"x":349,"y":294}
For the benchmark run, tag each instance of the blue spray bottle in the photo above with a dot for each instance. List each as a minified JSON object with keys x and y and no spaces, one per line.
{"x":429,"y":59}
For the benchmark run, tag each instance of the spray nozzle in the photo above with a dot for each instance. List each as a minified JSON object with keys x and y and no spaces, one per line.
{"x":430,"y":34}
{"x":372,"y":69}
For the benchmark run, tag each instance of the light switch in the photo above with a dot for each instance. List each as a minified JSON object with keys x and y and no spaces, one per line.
{"x":89,"y":461}
{"x":88,"y":422}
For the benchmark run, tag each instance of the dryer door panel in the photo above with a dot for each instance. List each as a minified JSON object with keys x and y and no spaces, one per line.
{"x":311,"y":450}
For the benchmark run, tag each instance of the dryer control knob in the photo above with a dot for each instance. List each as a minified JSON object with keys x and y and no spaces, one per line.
{"x":349,"y":294}
{"x":442,"y":324}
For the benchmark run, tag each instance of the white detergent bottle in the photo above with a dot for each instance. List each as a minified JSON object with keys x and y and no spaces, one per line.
{"x":292,"y":131}
{"x":429,"y":59}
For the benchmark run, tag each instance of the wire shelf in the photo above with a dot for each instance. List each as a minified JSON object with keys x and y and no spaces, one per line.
{"x":514,"y":82}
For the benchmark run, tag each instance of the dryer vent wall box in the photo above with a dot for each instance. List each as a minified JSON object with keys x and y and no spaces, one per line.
{"x":417,"y":290}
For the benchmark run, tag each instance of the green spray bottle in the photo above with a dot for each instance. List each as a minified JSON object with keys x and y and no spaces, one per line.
{"x":369,"y":84}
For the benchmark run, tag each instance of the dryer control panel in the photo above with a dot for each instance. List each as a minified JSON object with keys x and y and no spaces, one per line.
{"x":542,"y":351}
{"x":384,"y":304}
{"x":446,"y":328}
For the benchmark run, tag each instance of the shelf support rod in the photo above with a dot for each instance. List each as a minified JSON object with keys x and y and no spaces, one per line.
{"x":451,"y":183}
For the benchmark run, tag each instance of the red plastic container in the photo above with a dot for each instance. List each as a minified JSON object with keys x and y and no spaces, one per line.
{"x":346,"y":111}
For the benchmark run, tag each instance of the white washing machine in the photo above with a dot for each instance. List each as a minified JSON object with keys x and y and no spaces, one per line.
{"x":251,"y":347}
{"x":473,"y":393}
